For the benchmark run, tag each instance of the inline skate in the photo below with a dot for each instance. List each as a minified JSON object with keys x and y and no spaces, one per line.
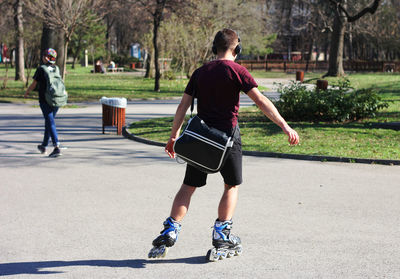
{"x":167,"y":238}
{"x":226,"y":245}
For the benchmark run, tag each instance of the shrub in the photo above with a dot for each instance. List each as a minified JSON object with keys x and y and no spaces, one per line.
{"x":339,"y":102}
{"x":170,"y":75}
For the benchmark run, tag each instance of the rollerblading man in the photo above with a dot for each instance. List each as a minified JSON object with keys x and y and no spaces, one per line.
{"x":218,"y":85}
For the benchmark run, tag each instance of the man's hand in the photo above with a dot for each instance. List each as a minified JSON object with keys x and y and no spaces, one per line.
{"x":270,"y":111}
{"x":30,"y":88}
{"x":169,"y":148}
{"x":293,"y":137}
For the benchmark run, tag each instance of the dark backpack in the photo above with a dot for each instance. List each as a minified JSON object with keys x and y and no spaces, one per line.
{"x":55,"y":94}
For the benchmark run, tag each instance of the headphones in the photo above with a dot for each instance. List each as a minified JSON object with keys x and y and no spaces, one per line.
{"x":237,"y":50}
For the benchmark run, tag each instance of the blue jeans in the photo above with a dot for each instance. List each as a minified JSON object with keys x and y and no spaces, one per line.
{"x":49,"y":114}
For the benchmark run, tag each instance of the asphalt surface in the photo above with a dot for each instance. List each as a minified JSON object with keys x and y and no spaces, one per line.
{"x":93,"y":212}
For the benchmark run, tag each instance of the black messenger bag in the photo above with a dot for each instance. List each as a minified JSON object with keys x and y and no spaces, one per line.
{"x":201,"y":146}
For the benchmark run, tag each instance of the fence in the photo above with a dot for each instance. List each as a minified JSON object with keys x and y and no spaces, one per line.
{"x":292,"y":66}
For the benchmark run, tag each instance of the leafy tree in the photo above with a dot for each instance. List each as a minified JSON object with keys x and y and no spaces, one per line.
{"x":147,"y":46}
{"x":157,"y":10}
{"x":65,"y":16}
{"x":261,"y":46}
{"x":32,"y":36}
{"x":7,"y":36}
{"x":187,"y":38}
{"x":308,"y":25}
{"x":90,"y":36}
{"x":20,"y":33}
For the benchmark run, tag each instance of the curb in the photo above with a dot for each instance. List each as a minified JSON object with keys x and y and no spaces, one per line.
{"x":320,"y":158}
{"x":390,"y":125}
{"x":130,"y":136}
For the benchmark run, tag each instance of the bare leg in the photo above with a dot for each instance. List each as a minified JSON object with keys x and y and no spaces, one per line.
{"x":182,"y":202}
{"x":228,"y":202}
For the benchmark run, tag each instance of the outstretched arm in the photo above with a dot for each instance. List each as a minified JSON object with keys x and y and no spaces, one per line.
{"x":268,"y":108}
{"x":180,"y":113}
{"x":30,"y":88}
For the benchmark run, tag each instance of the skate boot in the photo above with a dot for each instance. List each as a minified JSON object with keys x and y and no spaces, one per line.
{"x":226,"y":245}
{"x":167,"y":238}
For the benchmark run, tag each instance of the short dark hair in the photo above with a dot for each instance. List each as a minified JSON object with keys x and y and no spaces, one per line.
{"x":225,"y":39}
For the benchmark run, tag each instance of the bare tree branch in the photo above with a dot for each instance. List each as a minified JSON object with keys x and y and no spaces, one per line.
{"x":351,"y":18}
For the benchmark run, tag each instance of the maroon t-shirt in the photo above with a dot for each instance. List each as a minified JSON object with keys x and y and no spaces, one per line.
{"x":218,"y":86}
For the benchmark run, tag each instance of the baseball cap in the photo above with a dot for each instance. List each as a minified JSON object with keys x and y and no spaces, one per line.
{"x":50,"y":55}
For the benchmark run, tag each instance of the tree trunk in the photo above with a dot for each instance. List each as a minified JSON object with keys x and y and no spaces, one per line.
{"x":310,"y":50}
{"x":31,"y":59}
{"x":60,"y":47}
{"x":65,"y":58}
{"x":156,"y":64}
{"x":148,"y":66}
{"x":183,"y":63}
{"x":48,"y":39}
{"x":157,"y":18}
{"x":326,"y":52}
{"x":12,"y":57}
{"x":289,"y":48}
{"x":350,"y":44}
{"x":52,"y":38}
{"x":4,"y":86}
{"x":288,"y":27}
{"x":74,"y":61}
{"x":339,"y":27}
{"x":109,"y":24}
{"x":19,"y":36}
{"x":93,"y":62}
{"x":336,"y":50}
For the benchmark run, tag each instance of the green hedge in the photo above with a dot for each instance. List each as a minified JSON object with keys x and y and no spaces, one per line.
{"x":339,"y":103}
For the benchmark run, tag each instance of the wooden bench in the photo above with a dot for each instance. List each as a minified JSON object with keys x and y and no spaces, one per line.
{"x":119,"y":69}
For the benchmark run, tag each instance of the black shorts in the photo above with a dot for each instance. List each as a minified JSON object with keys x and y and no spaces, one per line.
{"x":231,"y":170}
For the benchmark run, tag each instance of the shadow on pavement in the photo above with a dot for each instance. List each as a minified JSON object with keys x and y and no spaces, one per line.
{"x":35,"y":267}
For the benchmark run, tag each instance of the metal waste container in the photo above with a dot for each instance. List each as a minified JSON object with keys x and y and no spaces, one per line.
{"x":114,"y":113}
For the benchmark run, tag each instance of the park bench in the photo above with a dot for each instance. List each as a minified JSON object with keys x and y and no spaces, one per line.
{"x":113,"y":70}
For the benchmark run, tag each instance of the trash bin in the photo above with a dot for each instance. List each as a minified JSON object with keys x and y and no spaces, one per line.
{"x":300,"y":76}
{"x":114,"y":113}
{"x":322,"y":84}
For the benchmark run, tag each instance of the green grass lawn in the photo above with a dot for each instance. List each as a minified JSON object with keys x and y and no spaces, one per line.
{"x":355,"y":140}
{"x":85,"y":86}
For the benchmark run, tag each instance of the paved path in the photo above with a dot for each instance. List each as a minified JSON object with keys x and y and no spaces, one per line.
{"x":93,"y":212}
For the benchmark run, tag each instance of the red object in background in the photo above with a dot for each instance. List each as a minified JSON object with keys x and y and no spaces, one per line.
{"x":5,"y":49}
{"x":300,"y":76}
{"x":322,"y":84}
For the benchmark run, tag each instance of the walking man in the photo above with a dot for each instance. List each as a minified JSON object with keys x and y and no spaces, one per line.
{"x":41,"y":82}
{"x":218,"y":85}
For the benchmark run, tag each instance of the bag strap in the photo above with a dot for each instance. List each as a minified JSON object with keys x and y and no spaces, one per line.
{"x":46,"y":74}
{"x":193,"y":95}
